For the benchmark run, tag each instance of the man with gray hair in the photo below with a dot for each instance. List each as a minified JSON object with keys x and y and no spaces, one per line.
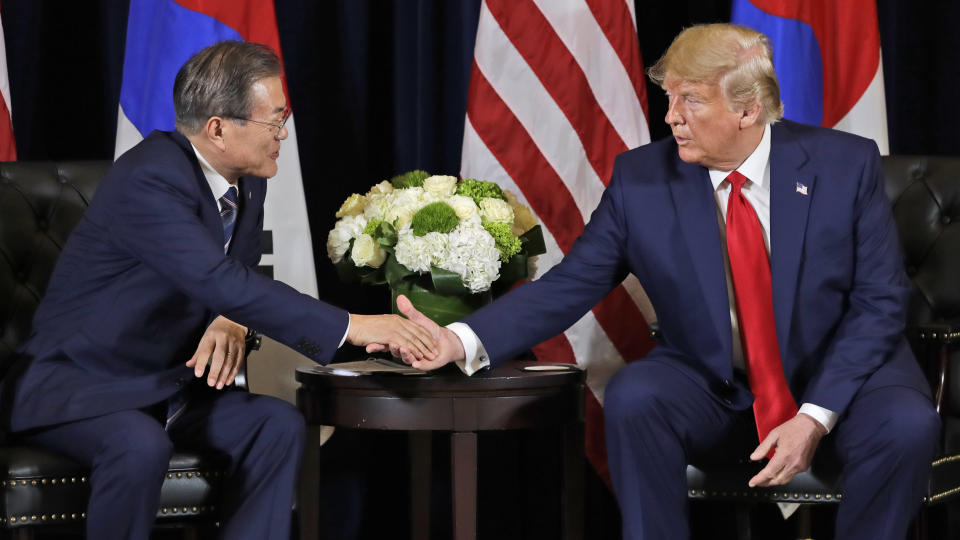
{"x":770,"y":255}
{"x":142,"y":329}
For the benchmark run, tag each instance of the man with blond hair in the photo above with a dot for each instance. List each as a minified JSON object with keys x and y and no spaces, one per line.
{"x":770,"y":255}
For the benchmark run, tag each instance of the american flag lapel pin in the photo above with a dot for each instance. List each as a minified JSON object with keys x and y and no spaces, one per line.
{"x":801,"y":189}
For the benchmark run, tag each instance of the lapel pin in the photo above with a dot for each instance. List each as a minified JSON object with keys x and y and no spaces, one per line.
{"x":249,"y":195}
{"x":801,"y":189}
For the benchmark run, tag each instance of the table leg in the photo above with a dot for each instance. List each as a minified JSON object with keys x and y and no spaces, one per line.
{"x":573,"y":471}
{"x":420,"y":445}
{"x":308,"y":496}
{"x":463,"y":458}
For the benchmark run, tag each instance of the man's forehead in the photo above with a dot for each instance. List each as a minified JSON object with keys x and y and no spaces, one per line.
{"x":675,"y":84}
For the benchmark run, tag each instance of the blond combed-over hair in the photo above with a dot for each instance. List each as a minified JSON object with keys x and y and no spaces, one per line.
{"x":737,"y":58}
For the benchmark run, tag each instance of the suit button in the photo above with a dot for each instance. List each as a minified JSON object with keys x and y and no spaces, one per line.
{"x":727,"y":383}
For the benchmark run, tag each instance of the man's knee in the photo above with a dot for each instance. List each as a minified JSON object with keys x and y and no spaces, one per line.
{"x":907,"y":429}
{"x":142,"y":447}
{"x":630,"y":396}
{"x":283,"y":421}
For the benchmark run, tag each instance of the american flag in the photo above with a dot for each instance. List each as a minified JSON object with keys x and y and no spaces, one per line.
{"x":556,"y":92}
{"x":8,"y":147}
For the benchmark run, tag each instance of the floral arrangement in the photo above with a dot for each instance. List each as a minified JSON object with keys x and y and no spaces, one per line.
{"x":443,"y":242}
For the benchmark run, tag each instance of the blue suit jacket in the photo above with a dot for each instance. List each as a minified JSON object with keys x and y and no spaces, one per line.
{"x":140,"y":278}
{"x":839,"y":289}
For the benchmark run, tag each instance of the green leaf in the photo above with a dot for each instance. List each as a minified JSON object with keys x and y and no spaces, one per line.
{"x":394,"y":272}
{"x":447,"y":282}
{"x":441,"y":309}
{"x":346,"y":270}
{"x":533,"y":243}
{"x":514,"y":270}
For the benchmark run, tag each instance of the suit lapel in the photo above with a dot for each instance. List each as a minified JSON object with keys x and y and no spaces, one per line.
{"x":209,"y":207}
{"x":696,"y":209}
{"x":789,"y":176}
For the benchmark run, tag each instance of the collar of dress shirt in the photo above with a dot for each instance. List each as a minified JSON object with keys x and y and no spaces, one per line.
{"x":218,"y":184}
{"x":753,"y":167}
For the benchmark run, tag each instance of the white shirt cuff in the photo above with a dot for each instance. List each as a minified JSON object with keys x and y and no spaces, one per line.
{"x":475,"y":356}
{"x":826,"y":417}
{"x":345,"y":332}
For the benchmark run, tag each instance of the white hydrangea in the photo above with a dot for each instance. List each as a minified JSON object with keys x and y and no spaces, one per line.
{"x":346,"y":229}
{"x":418,"y":253}
{"x":472,"y":254}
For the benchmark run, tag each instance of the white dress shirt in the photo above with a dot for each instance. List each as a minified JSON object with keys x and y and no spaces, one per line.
{"x":756,"y":168}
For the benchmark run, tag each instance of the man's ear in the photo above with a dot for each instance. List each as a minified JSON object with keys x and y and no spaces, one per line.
{"x":749,"y":116}
{"x":214,"y":132}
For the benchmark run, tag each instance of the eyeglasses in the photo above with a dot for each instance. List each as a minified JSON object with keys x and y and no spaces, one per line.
{"x":283,"y":122}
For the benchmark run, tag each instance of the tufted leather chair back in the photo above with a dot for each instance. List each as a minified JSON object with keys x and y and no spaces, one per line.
{"x":925,"y":191}
{"x":40,"y":203}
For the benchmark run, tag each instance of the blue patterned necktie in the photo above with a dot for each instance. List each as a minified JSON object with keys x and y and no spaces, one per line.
{"x":228,"y":215}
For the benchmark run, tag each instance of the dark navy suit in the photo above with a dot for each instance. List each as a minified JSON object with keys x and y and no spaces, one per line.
{"x":839,"y":294}
{"x":137,"y":283}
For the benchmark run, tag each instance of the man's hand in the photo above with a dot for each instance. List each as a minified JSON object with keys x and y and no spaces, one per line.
{"x":222,"y":345}
{"x":379,"y":332}
{"x":450,"y":348}
{"x":795,"y":441}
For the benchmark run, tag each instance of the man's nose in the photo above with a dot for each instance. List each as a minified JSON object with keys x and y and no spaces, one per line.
{"x":673,"y":116}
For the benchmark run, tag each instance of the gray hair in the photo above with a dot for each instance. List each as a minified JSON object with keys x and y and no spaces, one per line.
{"x":735,"y":57}
{"x":217,"y":80}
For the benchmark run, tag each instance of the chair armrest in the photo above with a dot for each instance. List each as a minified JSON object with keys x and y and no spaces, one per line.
{"x":936,"y":340}
{"x":946,"y":333}
{"x":252,"y":343}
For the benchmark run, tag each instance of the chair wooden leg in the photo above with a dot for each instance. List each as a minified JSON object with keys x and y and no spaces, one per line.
{"x":744,"y":529}
{"x":22,"y":533}
{"x":804,"y":523}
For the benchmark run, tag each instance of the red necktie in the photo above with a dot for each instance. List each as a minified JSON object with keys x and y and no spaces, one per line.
{"x":773,"y":404}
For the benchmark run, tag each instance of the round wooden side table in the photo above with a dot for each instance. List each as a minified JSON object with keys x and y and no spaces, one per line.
{"x":509,"y":396}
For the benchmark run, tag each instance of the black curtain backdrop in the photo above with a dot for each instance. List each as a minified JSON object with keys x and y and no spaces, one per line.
{"x":379,"y":87}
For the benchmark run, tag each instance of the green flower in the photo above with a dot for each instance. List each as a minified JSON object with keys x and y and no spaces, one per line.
{"x":372,"y":225}
{"x":508,"y":244}
{"x":435,"y":217}
{"x":409,"y":179}
{"x":479,"y":189}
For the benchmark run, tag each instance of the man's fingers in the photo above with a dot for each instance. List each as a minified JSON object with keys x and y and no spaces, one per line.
{"x":410,"y":312}
{"x":216,"y":364}
{"x":765,"y":447}
{"x":375,"y":347}
{"x":200,"y":358}
{"x":233,"y":358}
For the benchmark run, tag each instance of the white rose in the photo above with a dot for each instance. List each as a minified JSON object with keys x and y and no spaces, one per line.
{"x":338,"y":241}
{"x":463,"y":206}
{"x":381,"y":188}
{"x":366,"y":252}
{"x":440,"y":186}
{"x":353,"y":206}
{"x":496,"y":210}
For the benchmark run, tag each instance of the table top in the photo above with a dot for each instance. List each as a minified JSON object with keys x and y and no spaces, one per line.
{"x":507,"y":396}
{"x":507,"y":377}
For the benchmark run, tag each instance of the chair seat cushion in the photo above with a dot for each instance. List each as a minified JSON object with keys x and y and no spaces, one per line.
{"x":818,"y":485}
{"x":38,"y":487}
{"x":730,"y":482}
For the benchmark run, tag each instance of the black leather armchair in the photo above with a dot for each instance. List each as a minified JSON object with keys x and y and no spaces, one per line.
{"x":925,"y":193}
{"x":40,"y":203}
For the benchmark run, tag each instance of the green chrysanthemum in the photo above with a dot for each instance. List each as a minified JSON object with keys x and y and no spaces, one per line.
{"x":435,"y":217}
{"x":508,"y":244}
{"x":371,"y":227}
{"x":479,"y":189}
{"x":409,"y":179}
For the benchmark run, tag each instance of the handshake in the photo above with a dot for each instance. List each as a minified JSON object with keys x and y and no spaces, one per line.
{"x":417,"y":340}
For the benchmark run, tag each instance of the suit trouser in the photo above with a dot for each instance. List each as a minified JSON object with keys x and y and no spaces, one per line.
{"x":658,"y":420}
{"x":129,"y":451}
